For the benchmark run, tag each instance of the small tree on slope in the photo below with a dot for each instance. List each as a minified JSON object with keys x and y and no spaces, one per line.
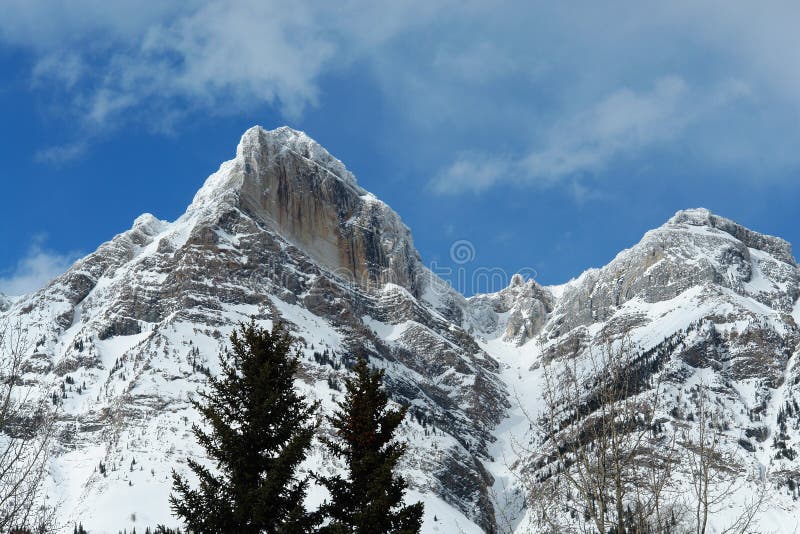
{"x":259,"y":432}
{"x":371,"y":498}
{"x":27,"y":426}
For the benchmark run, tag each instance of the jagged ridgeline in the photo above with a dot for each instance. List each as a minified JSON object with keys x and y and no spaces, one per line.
{"x":280,"y":233}
{"x":284,"y":233}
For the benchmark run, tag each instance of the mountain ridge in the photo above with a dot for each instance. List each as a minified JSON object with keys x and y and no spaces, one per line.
{"x":283,"y":232}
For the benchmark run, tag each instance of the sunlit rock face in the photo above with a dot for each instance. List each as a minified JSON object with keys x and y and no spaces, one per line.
{"x":281,"y":233}
{"x":694,"y":249}
{"x":286,"y":180}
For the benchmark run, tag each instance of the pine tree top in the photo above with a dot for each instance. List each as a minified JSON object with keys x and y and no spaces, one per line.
{"x":257,"y":431}
{"x":370,"y":499}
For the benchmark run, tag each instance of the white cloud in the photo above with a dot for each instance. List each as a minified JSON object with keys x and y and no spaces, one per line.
{"x":222,"y":55}
{"x":82,"y":25}
{"x":65,"y":68}
{"x":479,"y":62}
{"x":568,"y":89}
{"x":35,"y":269}
{"x":57,"y":155}
{"x":471,"y":172}
{"x":625,"y":121}
{"x":623,"y":124}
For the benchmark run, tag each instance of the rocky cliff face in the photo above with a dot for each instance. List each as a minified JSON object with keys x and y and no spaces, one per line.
{"x":705,"y":299}
{"x":283,"y":233}
{"x":733,"y":273}
{"x":694,"y":249}
{"x":522,"y":309}
{"x":289,"y":182}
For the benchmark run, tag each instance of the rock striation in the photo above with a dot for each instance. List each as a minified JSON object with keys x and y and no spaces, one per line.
{"x":702,"y":300}
{"x":289,"y":182}
{"x":283,"y":233}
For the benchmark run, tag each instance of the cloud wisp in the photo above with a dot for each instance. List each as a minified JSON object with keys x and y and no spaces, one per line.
{"x":222,"y":55}
{"x":568,"y":90}
{"x":35,"y":269}
{"x":623,"y":124}
{"x":60,"y":154}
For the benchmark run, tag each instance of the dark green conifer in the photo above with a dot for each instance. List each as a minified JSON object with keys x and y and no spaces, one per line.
{"x":370,"y":499}
{"x":259,"y":431}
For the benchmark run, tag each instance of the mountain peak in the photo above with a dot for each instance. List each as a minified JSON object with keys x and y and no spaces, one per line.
{"x":149,"y":224}
{"x":700,"y":217}
{"x":280,"y":234}
{"x":259,"y":148}
{"x":258,"y":141}
{"x":777,"y":247}
{"x":696,"y":215}
{"x":290,"y":183}
{"x":282,"y":135}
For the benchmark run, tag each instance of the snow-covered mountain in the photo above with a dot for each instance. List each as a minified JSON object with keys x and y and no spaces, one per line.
{"x":283,"y":232}
{"x":5,"y":303}
{"x":713,"y":303}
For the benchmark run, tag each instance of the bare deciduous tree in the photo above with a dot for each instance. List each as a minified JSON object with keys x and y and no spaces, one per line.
{"x":606,"y":460}
{"x":713,"y":469}
{"x":26,"y":426}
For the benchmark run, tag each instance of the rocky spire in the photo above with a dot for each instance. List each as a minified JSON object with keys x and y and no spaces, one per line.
{"x":774,"y":246}
{"x":286,"y":180}
{"x":258,"y":145}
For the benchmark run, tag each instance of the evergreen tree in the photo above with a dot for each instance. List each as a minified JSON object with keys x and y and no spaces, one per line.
{"x":371,"y":498}
{"x":259,"y":432}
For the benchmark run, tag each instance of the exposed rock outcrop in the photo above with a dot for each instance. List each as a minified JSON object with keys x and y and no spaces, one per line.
{"x":288,"y":181}
{"x":281,"y":233}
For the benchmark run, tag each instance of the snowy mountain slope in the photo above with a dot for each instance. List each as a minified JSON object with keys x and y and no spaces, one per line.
{"x":717,"y":304}
{"x":280,"y":233}
{"x":283,"y":232}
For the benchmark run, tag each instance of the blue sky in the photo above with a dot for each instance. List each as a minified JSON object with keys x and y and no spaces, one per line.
{"x":549,"y":135}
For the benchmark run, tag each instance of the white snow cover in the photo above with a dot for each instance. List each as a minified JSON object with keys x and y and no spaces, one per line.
{"x":157,"y":367}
